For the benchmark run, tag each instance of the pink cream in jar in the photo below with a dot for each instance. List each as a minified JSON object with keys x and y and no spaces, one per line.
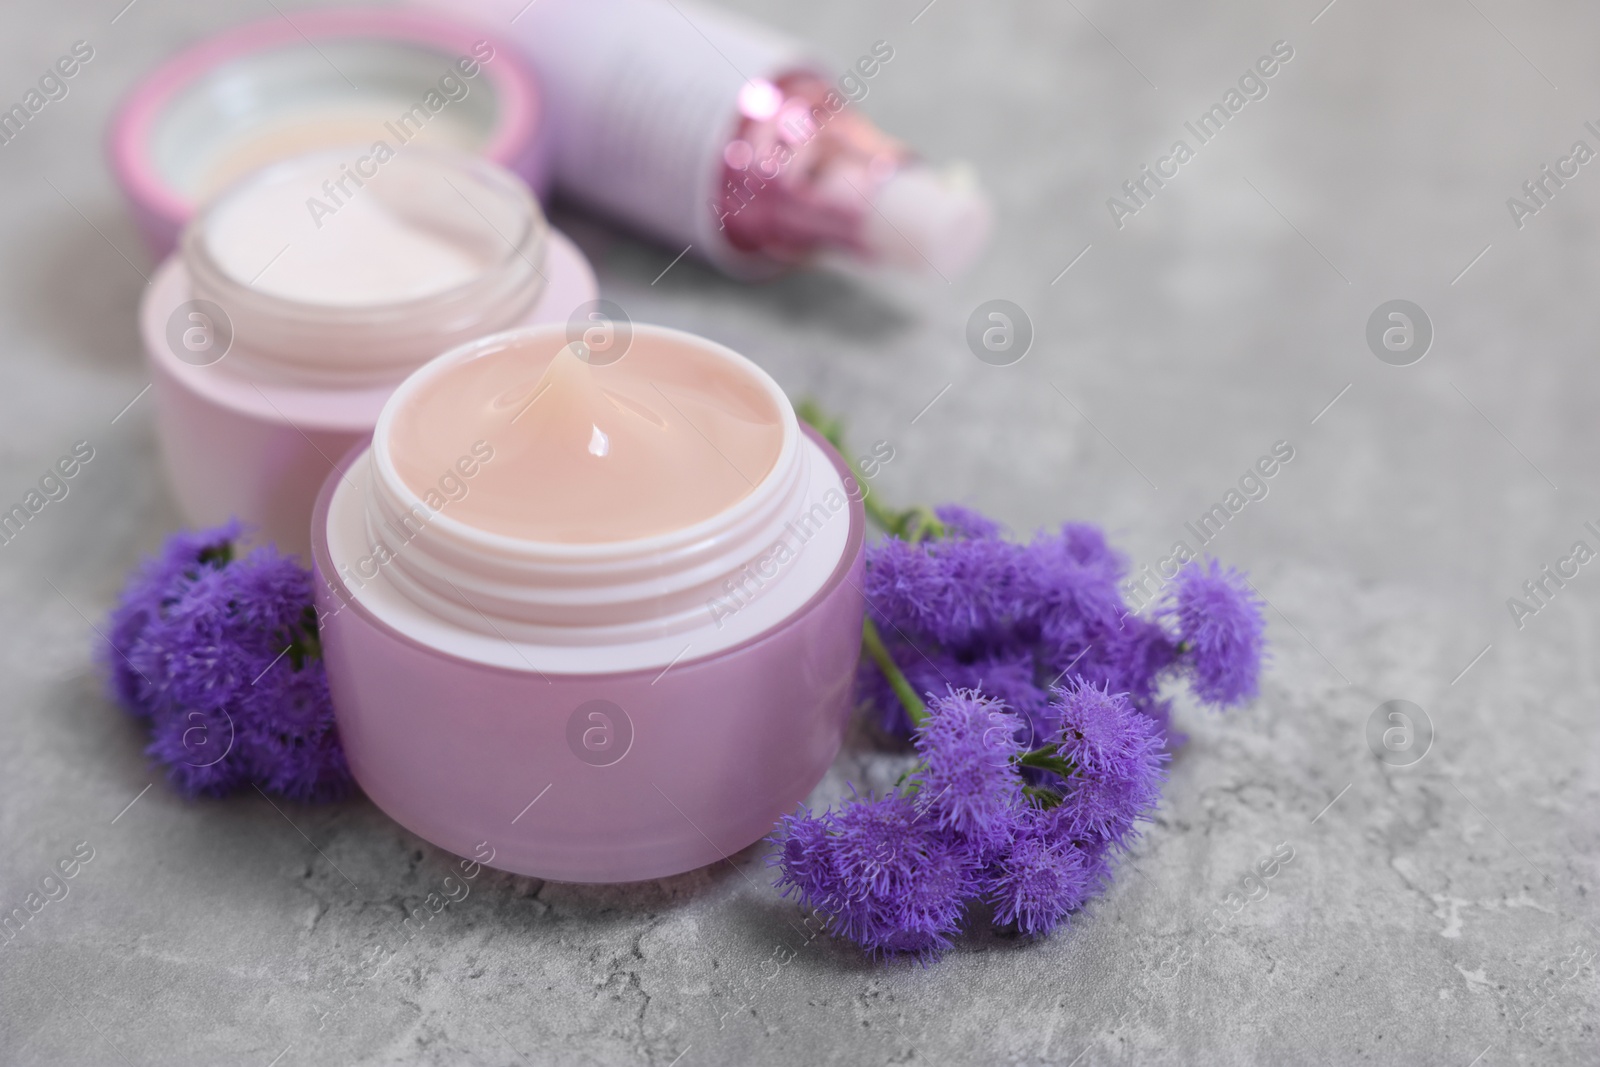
{"x":595,"y":611}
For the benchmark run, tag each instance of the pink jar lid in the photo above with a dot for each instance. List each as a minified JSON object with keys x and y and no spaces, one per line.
{"x":317,"y":79}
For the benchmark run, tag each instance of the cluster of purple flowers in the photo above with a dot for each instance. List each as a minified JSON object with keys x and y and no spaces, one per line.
{"x":972,"y":609}
{"x":220,"y":655}
{"x":1047,"y":748}
{"x":1049,"y":745}
{"x":1033,"y":833}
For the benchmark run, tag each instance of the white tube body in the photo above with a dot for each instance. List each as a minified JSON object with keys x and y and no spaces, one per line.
{"x":643,"y":99}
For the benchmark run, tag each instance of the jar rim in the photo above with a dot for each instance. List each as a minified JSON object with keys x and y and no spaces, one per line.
{"x":604,"y":551}
{"x":404,"y":332}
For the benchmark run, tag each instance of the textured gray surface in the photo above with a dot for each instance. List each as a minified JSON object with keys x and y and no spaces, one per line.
{"x":1428,"y":914}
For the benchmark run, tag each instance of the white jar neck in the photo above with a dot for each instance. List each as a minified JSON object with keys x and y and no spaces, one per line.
{"x":558,"y":593}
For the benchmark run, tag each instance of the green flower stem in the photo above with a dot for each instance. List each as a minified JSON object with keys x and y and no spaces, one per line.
{"x":920,"y":523}
{"x":872,"y":641}
{"x":912,"y":524}
{"x":885,"y":518}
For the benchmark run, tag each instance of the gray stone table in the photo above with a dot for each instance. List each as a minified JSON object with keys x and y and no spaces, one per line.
{"x":1437,"y":913}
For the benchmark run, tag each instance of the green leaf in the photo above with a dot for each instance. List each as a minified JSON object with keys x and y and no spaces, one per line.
{"x":1041,"y":797}
{"x":1048,"y":758}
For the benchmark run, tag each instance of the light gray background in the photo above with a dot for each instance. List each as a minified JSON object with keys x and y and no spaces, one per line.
{"x":1427,"y":913}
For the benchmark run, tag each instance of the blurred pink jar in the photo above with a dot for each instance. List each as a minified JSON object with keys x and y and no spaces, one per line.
{"x":603,"y":711}
{"x":299,"y":299}
{"x":295,"y":83}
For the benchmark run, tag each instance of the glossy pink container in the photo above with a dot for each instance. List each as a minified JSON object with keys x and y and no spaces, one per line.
{"x":601,"y":777}
{"x":140,"y":139}
{"x":236,"y":448}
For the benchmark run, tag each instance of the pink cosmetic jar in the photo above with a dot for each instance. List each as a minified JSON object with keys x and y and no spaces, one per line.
{"x":607,"y":710}
{"x":307,"y":80}
{"x":304,"y":293}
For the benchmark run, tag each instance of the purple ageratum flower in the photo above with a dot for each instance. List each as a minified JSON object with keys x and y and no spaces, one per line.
{"x":975,"y":610}
{"x":201,"y":750}
{"x":956,"y":593}
{"x":1029,"y":642}
{"x":220,"y":654}
{"x":887,"y":879}
{"x":1085,"y":626}
{"x":1042,"y":875}
{"x":1220,"y":619}
{"x":806,"y":858}
{"x":273,"y":594}
{"x":1118,"y":764}
{"x":933,"y":902}
{"x":291,"y":739}
{"x":1010,"y":677}
{"x":195,"y":650}
{"x":1086,"y":544}
{"x":1135,"y":663}
{"x":876,"y":844}
{"x":961,"y":521}
{"x":905,"y":586}
{"x":968,"y":782}
{"x":894,"y":874}
{"x":1077,"y":565}
{"x":151,"y":589}
{"x":1011,"y":619}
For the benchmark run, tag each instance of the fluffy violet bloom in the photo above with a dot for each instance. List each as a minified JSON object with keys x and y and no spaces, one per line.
{"x":200,"y":749}
{"x":968,"y":782}
{"x":150,"y":589}
{"x":221,"y":655}
{"x":194,"y":651}
{"x":961,"y":521}
{"x":1012,"y":619}
{"x":1118,"y":762}
{"x":933,"y":902}
{"x":1048,"y":746}
{"x":889,"y":880}
{"x":805,"y":855}
{"x":1010,"y":678}
{"x":958,"y":591}
{"x":1072,"y":584}
{"x":1219,"y":619}
{"x":976,"y":610}
{"x":895,"y":874}
{"x":1042,"y":876}
{"x":292,"y":742}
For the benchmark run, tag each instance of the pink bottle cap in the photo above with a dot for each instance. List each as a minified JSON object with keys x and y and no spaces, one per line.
{"x":318,"y":79}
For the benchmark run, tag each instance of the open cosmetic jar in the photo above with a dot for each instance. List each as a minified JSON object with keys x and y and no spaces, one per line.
{"x":304,"y":293}
{"x":298,"y":82}
{"x":594,"y":608}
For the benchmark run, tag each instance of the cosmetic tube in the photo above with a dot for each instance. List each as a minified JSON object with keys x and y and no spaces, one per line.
{"x":715,"y":135}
